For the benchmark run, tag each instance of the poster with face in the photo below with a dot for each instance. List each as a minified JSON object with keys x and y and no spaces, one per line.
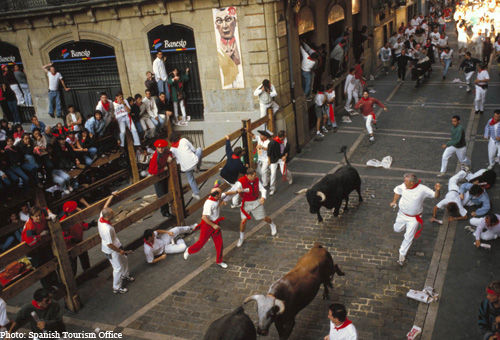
{"x":228,"y":47}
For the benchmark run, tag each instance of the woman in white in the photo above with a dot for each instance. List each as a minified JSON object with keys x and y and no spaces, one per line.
{"x":122,"y":114}
{"x":351,"y":90}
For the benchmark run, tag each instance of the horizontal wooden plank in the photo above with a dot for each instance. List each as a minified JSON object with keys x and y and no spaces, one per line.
{"x":198,"y":204}
{"x":10,"y":229}
{"x":205,"y":175}
{"x":21,"y":250}
{"x":220,"y":143}
{"x":28,"y":280}
{"x":105,"y":160}
{"x":95,"y":240}
{"x":96,"y":208}
{"x":259,"y":122}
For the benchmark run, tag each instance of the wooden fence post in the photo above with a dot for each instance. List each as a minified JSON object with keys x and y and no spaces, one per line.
{"x":132,"y":157}
{"x":168,"y":125}
{"x":174,"y":186}
{"x":270,"y":122}
{"x":64,"y":268}
{"x":248,"y":127}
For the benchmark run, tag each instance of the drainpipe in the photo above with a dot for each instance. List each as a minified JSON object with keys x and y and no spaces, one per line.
{"x":292,"y":82}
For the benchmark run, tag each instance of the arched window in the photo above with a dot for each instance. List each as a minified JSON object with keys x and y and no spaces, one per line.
{"x":305,"y":20}
{"x":336,"y":14}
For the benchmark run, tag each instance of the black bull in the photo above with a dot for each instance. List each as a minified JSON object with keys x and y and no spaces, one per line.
{"x":232,"y":326}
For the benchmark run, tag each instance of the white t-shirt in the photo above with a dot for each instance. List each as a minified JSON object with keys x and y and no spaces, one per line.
{"x":482,"y":227}
{"x":414,"y":22}
{"x":445,"y":55}
{"x":412,"y":200}
{"x":73,"y":118}
{"x":409,"y":31}
{"x":319,"y":99}
{"x":185,"y":154}
{"x":497,"y":46}
{"x":54,"y":81}
{"x":345,"y":333}
{"x":211,"y":209}
{"x":120,"y":111}
{"x":108,"y":236}
{"x":442,"y":41}
{"x":483,"y":75}
{"x":157,"y":249}
{"x":4,"y":319}
{"x":330,"y":96}
{"x":159,"y":69}
{"x":435,"y":37}
{"x":452,"y":196}
{"x":24,"y":217}
{"x":264,"y":144}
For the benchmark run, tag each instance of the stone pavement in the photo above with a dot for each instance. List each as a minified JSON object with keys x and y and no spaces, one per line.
{"x":177,"y":299}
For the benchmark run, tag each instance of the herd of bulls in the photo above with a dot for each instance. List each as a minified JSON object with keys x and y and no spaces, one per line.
{"x":296,"y":289}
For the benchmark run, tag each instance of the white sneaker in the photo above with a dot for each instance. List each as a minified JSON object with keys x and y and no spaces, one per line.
{"x":240,"y":242}
{"x":196,"y":197}
{"x":324,"y":130}
{"x":470,"y":229}
{"x":192,"y":226}
{"x":222,"y":265}
{"x":491,"y":166}
{"x":186,"y":254}
{"x":273,"y":230}
{"x":401,"y":260}
{"x":354,"y":113}
{"x":271,"y":192}
{"x":441,"y":174}
{"x":346,"y":119}
{"x":120,"y":291}
{"x":319,"y":134}
{"x":372,"y":139}
{"x":290,"y":181}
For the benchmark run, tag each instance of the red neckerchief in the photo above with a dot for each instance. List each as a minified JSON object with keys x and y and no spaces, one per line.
{"x":277,"y":139}
{"x":212,"y":199}
{"x":346,"y":323}
{"x":416,"y":185}
{"x":149,"y":244}
{"x":36,"y":305}
{"x":233,"y":156}
{"x":228,"y":42}
{"x":175,"y":144}
{"x":103,"y":220}
{"x":492,"y":292}
{"x":105,"y":105}
{"x":492,"y":122}
{"x":367,"y":99}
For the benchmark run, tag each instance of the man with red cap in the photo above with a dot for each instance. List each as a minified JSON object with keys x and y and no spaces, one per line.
{"x":159,"y":164}
{"x":209,"y":225}
{"x":74,"y":235}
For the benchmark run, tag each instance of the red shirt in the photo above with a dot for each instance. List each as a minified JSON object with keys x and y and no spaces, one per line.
{"x":31,"y":231}
{"x":366,"y":105}
{"x":253,"y":186}
{"x":157,"y":166}
{"x":75,"y":233}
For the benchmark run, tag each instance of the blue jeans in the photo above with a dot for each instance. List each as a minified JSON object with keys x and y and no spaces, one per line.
{"x":30,"y":164}
{"x":447,"y":63}
{"x":15,"y":173}
{"x":163,"y":87}
{"x":11,"y":239}
{"x":13,"y":109}
{"x":54,"y":95}
{"x":306,"y":82}
{"x":92,"y":151}
{"x":61,"y":178}
{"x":190,"y":174}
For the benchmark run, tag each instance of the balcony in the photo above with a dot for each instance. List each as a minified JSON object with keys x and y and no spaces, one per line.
{"x":23,"y":5}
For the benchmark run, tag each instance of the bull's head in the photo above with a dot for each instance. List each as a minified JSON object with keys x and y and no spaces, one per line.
{"x":314,"y":198}
{"x":268,"y":308}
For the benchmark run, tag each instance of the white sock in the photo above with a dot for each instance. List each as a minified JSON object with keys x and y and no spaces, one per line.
{"x":273,"y":228}
{"x":242,"y":235}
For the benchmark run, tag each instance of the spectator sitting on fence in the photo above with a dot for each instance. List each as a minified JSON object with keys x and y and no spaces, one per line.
{"x":152,"y":112}
{"x":35,"y":123}
{"x":135,"y":115}
{"x":73,"y":119}
{"x":59,"y":130}
{"x":158,"y":165}
{"x":81,"y":153}
{"x":144,"y":155}
{"x":74,"y":235}
{"x":233,"y":169}
{"x":159,"y":243}
{"x":65,"y":160}
{"x":96,"y":125}
{"x":145,"y":123}
{"x":14,"y":238}
{"x":87,"y":143}
{"x":43,"y":314}
{"x":189,"y":159}
{"x":17,"y":169}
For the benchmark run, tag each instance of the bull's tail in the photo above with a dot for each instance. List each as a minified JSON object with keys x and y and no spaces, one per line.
{"x":343,"y":150}
{"x":337,"y":270}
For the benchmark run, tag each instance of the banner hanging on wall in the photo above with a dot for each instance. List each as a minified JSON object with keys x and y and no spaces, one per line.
{"x":228,"y":47}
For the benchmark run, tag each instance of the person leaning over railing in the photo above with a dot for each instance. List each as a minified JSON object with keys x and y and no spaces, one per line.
{"x":233,"y":169}
{"x":158,"y":165}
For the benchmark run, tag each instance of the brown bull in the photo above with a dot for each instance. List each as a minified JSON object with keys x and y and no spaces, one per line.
{"x":291,"y":293}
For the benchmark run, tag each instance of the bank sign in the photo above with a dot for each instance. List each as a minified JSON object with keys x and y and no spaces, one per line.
{"x":171,"y":38}
{"x":9,"y":54}
{"x":81,"y":51}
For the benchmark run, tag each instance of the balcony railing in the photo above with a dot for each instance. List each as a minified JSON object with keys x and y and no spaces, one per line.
{"x":24,"y":5}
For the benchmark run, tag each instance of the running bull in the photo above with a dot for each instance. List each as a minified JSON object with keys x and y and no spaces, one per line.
{"x":294,"y":291}
{"x":333,"y":188}
{"x":232,"y":326}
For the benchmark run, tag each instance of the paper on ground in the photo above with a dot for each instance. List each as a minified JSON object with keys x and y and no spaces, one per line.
{"x":385,"y":163}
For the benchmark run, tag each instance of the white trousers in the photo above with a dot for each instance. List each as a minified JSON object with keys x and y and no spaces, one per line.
{"x":453,"y":181}
{"x":263,"y":171}
{"x":263,"y":108}
{"x":368,"y":124}
{"x":486,"y":234}
{"x":468,"y":78}
{"x":172,"y":247}
{"x":124,"y":124}
{"x":274,"y":169}
{"x":411,"y":225}
{"x":180,"y":103}
{"x":449,"y":151}
{"x":120,"y":268}
{"x":480,"y":98}
{"x":493,"y":150}
{"x":19,"y":94}
{"x":27,"y":94}
{"x":351,"y":94}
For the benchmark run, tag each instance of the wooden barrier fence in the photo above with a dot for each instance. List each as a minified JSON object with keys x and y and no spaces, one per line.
{"x":175,"y":196}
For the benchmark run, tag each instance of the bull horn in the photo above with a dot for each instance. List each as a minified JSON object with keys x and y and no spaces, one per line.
{"x":255,"y":298}
{"x":301,"y":191}
{"x":321,"y":195}
{"x":281,"y":306}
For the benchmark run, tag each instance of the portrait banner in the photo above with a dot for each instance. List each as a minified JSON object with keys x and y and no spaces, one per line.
{"x":228,"y":47}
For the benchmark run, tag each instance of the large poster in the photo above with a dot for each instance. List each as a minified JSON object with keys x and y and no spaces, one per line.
{"x":228,"y":47}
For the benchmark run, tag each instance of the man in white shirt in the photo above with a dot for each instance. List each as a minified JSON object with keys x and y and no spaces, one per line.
{"x":487,"y":228}
{"x":385,"y":56}
{"x":4,"y":319}
{"x":341,"y":328}
{"x":54,"y":79}
{"x":152,"y":110}
{"x":122,"y":113}
{"x":330,"y":106}
{"x":262,"y":160}
{"x":446,"y":58}
{"x":161,"y":75}
{"x":158,"y":243}
{"x":106,"y":107}
{"x":452,"y":201}
{"x":266,"y":92}
{"x":351,"y":90}
{"x":307,"y":65}
{"x":411,"y":205}
{"x":209,"y":225}
{"x":481,"y":83}
{"x":188,"y":158}
{"x":111,"y":247}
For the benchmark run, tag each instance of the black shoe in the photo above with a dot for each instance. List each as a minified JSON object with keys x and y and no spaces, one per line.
{"x":477,"y":112}
{"x":52,"y":115}
{"x":168,"y":215}
{"x":481,"y":112}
